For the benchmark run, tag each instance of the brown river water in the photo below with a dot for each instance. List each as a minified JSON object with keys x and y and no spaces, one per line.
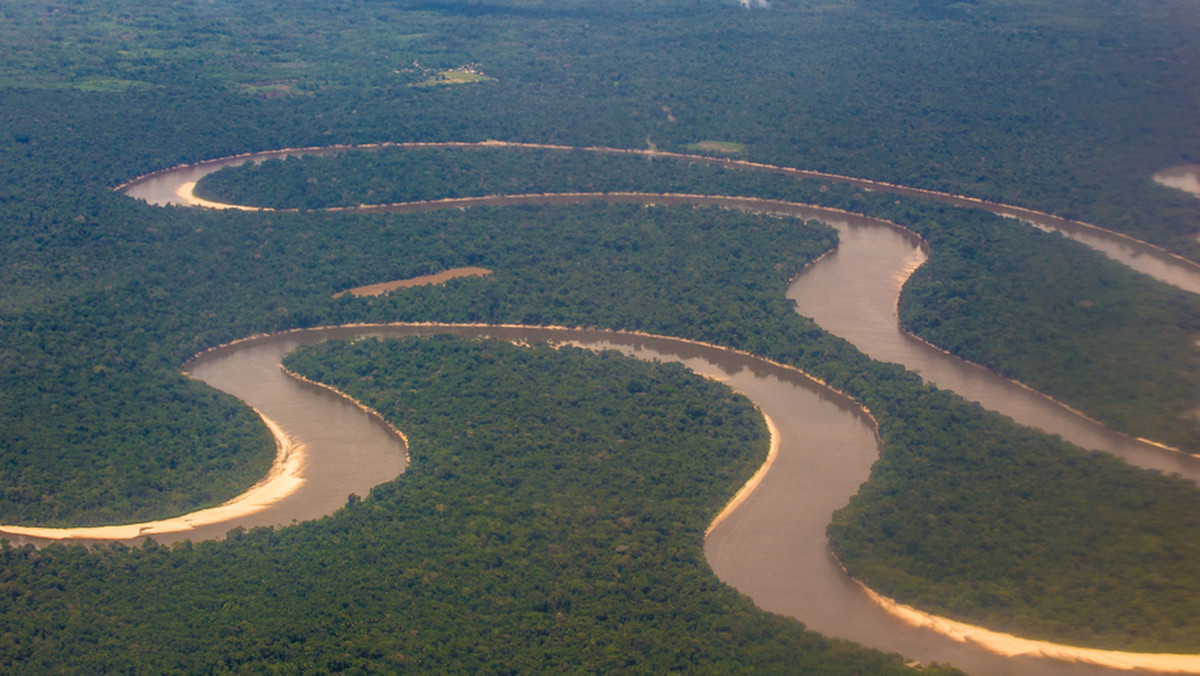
{"x":773,"y":546}
{"x":1184,"y":177}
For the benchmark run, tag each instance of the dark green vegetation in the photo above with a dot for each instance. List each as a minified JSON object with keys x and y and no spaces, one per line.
{"x":551,"y":521}
{"x":1107,"y":340}
{"x":190,"y":448}
{"x":1066,"y":106}
{"x":1030,"y":305}
{"x":1054,"y":543}
{"x":209,"y":278}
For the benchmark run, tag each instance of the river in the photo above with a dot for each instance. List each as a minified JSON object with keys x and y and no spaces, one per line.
{"x":773,"y":547}
{"x":1184,"y":177}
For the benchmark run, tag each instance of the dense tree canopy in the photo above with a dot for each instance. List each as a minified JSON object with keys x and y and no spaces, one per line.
{"x":116,"y":439}
{"x":1068,"y":107}
{"x":1031,"y":306}
{"x":551,"y":520}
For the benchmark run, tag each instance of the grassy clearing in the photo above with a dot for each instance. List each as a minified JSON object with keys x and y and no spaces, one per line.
{"x":728,"y":147}
{"x":456,"y":76}
{"x":268,"y":89}
{"x":109,"y":84}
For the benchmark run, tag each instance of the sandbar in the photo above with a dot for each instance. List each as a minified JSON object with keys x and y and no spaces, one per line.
{"x":283,"y":479}
{"x":1185,"y":178}
{"x":992,"y":641}
{"x":423,"y":280}
{"x":753,"y":482}
{"x":1015,"y":646}
{"x":187,"y":193}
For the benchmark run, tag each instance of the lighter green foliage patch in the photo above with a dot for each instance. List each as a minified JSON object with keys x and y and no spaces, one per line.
{"x":727,"y":147}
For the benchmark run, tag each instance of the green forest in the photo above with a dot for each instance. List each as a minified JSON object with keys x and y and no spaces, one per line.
{"x":584,"y":265}
{"x":1066,"y":107}
{"x":515,"y":544}
{"x":1029,"y":305}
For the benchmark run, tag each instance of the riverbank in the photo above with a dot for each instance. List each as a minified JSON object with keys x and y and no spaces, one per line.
{"x":1014,"y":646}
{"x":752,"y":483}
{"x":187,"y":193}
{"x":283,"y":479}
{"x":931,"y":616}
{"x":1185,"y":178}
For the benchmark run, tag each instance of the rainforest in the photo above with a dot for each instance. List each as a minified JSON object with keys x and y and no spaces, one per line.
{"x":554,"y":511}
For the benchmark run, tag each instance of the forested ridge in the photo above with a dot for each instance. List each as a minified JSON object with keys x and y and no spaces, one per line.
{"x":1065,"y":107}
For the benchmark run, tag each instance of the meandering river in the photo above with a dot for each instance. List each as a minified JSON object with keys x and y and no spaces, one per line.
{"x":773,"y":547}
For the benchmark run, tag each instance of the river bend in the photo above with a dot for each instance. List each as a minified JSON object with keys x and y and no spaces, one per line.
{"x":827,"y":444}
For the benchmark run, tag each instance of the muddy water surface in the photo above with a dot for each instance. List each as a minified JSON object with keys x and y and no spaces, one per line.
{"x":773,"y":547}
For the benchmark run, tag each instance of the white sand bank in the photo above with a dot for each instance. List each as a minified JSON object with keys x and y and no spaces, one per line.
{"x":748,"y":487}
{"x":284,"y":477}
{"x":187,"y":193}
{"x":1013,"y":646}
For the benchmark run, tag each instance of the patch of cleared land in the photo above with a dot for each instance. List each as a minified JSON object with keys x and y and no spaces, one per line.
{"x":268,"y":89}
{"x":456,"y":76}
{"x":717,"y":146}
{"x":438,"y":278}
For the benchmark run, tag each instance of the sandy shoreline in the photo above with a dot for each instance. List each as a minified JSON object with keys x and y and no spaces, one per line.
{"x":1000,"y":208}
{"x":187,"y":192}
{"x":753,"y":482}
{"x":995,"y":642}
{"x":283,"y":479}
{"x":1014,"y":646}
{"x":1185,"y":178}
